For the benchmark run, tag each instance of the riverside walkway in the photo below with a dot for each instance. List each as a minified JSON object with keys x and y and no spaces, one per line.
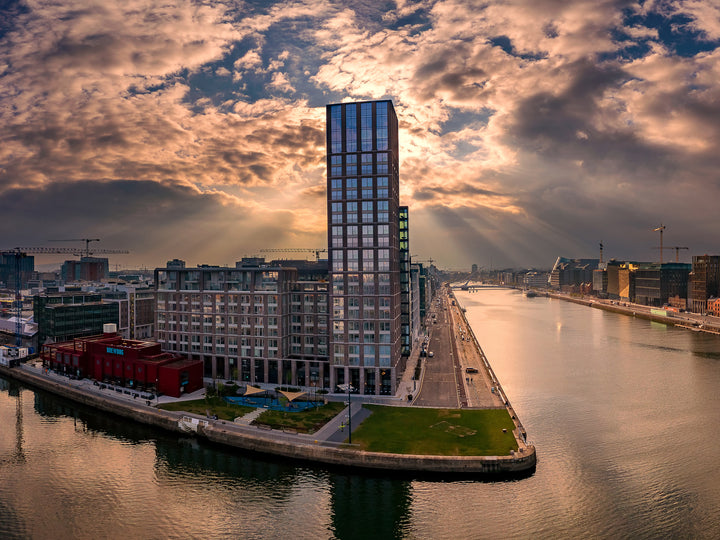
{"x":321,"y":447}
{"x":334,"y":432}
{"x":458,"y":374}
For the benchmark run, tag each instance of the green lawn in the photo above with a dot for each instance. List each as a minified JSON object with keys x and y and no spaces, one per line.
{"x":307,"y":421}
{"x":445,"y":432}
{"x":213,"y":405}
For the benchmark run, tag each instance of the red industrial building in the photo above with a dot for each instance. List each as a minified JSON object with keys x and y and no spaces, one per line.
{"x":130,"y":363}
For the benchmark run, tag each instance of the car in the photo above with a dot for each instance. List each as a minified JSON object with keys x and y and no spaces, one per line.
{"x":431,"y":354}
{"x":471,"y":370}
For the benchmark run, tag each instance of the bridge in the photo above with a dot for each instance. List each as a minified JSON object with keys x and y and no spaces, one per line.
{"x":478,"y":286}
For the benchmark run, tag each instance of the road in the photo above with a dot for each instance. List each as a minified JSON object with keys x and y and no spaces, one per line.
{"x":446,"y":382}
{"x":442,"y":384}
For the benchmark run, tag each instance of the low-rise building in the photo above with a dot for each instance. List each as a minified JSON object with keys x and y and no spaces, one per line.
{"x":136,"y":309}
{"x":713,"y":307}
{"x":570,"y":274}
{"x":704,"y":281}
{"x":63,"y":316}
{"x":536,"y":280}
{"x":133,"y":364}
{"x":655,"y":283}
{"x":255,"y":323}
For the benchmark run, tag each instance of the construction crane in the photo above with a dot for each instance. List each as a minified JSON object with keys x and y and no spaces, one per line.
{"x":20,"y":252}
{"x":316,"y":251}
{"x":86,"y":240}
{"x":660,"y":229}
{"x":677,"y":251}
{"x":414,"y":260}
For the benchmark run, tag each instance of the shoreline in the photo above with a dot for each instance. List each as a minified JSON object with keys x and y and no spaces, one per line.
{"x":298,"y":447}
{"x":521,"y":433}
{"x":680,"y":320}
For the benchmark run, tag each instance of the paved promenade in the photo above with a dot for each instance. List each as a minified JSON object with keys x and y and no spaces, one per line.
{"x":446,"y":381}
{"x":481,"y":387}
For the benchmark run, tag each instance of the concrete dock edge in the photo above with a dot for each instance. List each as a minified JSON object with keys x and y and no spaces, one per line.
{"x":297,"y":447}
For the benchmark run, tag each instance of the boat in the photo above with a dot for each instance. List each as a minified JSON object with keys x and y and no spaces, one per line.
{"x":530,"y":294}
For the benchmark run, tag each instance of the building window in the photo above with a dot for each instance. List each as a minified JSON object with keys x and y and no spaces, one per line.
{"x":366,"y":161}
{"x":367,"y":208}
{"x":382,"y":162}
{"x":382,"y":183}
{"x":336,"y":166}
{"x":351,"y":160}
{"x":336,"y":129}
{"x":351,"y":128}
{"x":381,"y":113}
{"x":366,"y":127}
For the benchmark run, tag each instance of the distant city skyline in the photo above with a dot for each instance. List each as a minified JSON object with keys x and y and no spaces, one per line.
{"x":530,"y":128}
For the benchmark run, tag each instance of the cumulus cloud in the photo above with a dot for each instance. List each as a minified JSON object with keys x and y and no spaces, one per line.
{"x":525,"y":125}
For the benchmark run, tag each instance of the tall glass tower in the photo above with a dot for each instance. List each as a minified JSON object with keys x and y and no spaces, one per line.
{"x":363,"y":245}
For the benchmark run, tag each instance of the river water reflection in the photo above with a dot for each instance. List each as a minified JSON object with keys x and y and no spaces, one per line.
{"x":623,"y":413}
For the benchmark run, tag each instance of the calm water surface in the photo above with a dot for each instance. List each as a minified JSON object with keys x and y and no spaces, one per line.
{"x":624,"y":414}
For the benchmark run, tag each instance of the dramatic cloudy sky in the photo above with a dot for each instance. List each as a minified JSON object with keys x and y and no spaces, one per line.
{"x":195,"y":129}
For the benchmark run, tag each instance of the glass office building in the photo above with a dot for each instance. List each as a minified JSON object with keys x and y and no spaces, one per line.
{"x":364,"y":246}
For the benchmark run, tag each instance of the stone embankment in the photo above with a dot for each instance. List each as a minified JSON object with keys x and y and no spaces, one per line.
{"x":519,"y":432}
{"x":278,"y":443}
{"x":688,"y":321}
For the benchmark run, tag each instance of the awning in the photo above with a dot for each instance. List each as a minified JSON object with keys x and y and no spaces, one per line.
{"x":250,"y":390}
{"x":291,"y":395}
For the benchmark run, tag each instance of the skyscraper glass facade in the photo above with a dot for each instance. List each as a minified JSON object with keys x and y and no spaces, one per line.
{"x":363,"y":245}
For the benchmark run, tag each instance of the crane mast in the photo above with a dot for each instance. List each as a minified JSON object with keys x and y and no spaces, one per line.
{"x":20,"y":252}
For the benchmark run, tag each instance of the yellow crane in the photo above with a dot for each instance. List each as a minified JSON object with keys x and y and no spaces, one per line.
{"x":677,"y":251}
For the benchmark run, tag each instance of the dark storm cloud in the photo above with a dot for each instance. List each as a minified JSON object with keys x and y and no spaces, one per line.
{"x":152,"y":220}
{"x":463,"y":190}
{"x":63,"y":208}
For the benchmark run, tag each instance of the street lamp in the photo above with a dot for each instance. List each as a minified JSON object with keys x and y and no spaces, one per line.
{"x":348,"y":387}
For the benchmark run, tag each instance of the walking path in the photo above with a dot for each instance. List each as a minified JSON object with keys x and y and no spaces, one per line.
{"x":250,"y":417}
{"x":480,"y":387}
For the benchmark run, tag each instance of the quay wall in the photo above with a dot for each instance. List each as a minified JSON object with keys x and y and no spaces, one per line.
{"x":373,"y":460}
{"x":636,"y":311}
{"x":520,"y":433}
{"x":140,"y":413}
{"x":277,"y":443}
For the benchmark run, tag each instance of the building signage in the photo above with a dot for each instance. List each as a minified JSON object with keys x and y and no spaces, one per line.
{"x":113,"y":350}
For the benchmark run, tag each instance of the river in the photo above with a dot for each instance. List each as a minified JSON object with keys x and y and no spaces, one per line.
{"x":623,"y":413}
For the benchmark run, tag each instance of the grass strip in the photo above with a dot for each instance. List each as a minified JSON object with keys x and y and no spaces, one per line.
{"x":442,"y":432}
{"x":213,"y":406}
{"x":307,"y":421}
